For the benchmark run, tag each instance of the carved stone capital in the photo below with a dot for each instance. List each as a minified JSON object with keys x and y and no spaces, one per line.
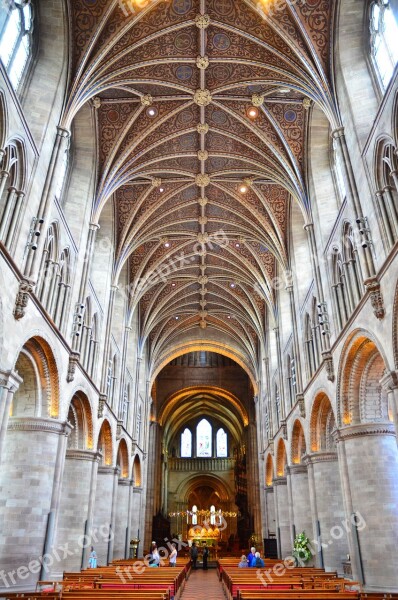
{"x":202,"y":97}
{"x":10,"y":380}
{"x":279,"y":481}
{"x":296,"y":469}
{"x":376,"y":298}
{"x":202,"y":21}
{"x":363,"y":429}
{"x":39,"y":424}
{"x":317,"y":457}
{"x":97,"y":102}
{"x":88,"y":455}
{"x":74,"y":358}
{"x":284,"y":429}
{"x":389,"y":381}
{"x":101,"y":405}
{"x":21,"y":302}
{"x":306,"y":103}
{"x":328,"y":361}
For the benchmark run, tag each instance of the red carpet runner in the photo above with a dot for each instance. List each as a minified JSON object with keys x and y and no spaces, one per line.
{"x":203,"y":585}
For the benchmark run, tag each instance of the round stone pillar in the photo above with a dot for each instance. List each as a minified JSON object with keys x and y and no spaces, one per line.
{"x":30,"y":466}
{"x":283,"y":532}
{"x":103,"y":526}
{"x":368,"y":461}
{"x":122,"y":524}
{"x":327,"y":510}
{"x":300,"y":500}
{"x":75,"y":514}
{"x":269,"y":504}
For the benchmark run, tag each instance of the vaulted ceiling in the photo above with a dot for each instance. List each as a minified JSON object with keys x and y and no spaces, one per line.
{"x":202,"y":110}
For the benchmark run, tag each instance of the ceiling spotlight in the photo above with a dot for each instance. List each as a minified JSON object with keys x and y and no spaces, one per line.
{"x":228,"y":316}
{"x":243,"y":188}
{"x":151,"y":112}
{"x":232,"y":285}
{"x":177,"y":317}
{"x":167,"y":245}
{"x":237,"y":245}
{"x":161,"y":189}
{"x":173,"y":284}
{"x":252,"y":112}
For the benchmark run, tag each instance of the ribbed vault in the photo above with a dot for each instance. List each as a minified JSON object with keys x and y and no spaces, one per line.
{"x":202,"y":108}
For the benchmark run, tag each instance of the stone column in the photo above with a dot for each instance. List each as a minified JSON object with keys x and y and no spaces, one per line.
{"x":282,"y":520}
{"x":137,"y":526}
{"x":73,"y":524}
{"x":107,"y":345}
{"x":300,"y":495}
{"x":368,"y":461}
{"x":270,"y":526}
{"x":9,"y":383}
{"x":327,"y":510}
{"x":122,"y":523}
{"x":103,"y":513}
{"x":253,"y":479}
{"x":29,"y":476}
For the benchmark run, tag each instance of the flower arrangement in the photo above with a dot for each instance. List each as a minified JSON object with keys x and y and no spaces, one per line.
{"x":301,"y":550}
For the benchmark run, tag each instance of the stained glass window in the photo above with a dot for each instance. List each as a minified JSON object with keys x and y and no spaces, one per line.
{"x":186,"y":444}
{"x":203,"y":439}
{"x":383,"y":40}
{"x":222,"y":443}
{"x":16,"y":40}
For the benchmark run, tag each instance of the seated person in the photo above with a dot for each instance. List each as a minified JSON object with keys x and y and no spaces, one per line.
{"x":257,"y":561}
{"x":250,"y":556}
{"x":243,"y":562}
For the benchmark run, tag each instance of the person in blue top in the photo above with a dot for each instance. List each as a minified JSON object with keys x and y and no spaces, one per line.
{"x":250,"y":556}
{"x":257,"y":561}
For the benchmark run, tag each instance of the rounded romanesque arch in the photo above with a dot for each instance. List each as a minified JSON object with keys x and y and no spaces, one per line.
{"x":137,"y":476}
{"x":298,"y":444}
{"x":105,"y":443}
{"x":322,"y":424}
{"x":122,"y":459}
{"x":38,"y":394}
{"x":281,"y":459}
{"x":81,"y":418}
{"x":269,"y":471}
{"x":361,"y":397}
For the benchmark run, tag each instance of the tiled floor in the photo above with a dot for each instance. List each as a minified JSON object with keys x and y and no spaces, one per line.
{"x":203,"y":585}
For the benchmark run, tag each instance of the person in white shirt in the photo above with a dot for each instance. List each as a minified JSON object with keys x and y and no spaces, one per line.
{"x":173,"y":556}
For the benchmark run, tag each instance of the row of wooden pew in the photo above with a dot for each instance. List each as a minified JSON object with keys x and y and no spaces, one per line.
{"x":120,"y":581}
{"x":276,"y":582}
